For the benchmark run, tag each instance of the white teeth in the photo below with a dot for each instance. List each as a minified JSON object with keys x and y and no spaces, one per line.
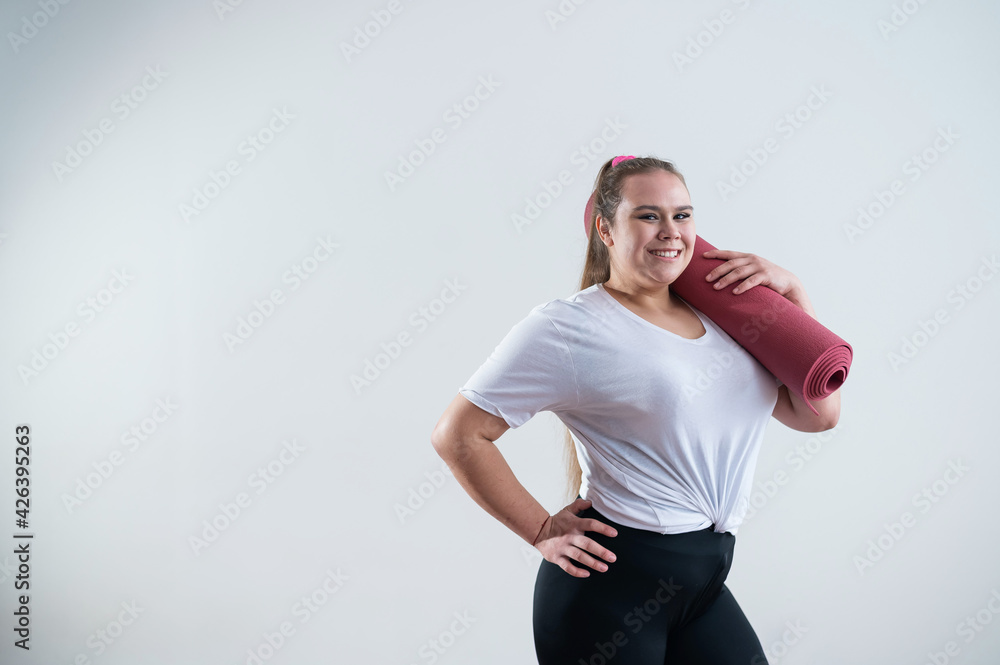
{"x":670,"y":254}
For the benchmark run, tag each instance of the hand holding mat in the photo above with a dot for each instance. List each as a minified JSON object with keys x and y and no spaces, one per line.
{"x":807,"y":357}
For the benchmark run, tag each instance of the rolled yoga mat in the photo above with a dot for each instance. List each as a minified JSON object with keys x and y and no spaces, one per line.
{"x":808,"y":358}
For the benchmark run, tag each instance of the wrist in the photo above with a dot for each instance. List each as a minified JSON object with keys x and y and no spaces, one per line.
{"x":798,"y":297}
{"x":540,"y":530}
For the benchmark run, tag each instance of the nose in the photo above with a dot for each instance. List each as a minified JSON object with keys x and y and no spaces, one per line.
{"x":668,"y":229}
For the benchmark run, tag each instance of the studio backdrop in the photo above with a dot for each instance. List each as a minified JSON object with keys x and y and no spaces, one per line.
{"x":250,"y":251}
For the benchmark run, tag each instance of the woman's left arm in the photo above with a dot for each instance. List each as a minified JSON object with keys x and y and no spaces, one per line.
{"x":790,"y":410}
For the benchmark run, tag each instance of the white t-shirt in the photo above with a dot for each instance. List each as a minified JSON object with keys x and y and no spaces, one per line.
{"x":667,"y":429}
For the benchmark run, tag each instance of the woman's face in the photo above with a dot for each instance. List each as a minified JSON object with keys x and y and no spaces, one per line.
{"x":655,"y":214}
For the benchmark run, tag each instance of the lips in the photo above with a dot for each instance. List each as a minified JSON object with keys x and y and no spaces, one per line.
{"x":666,"y":254}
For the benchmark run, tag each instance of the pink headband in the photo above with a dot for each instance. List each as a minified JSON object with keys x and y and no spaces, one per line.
{"x":590,"y":202}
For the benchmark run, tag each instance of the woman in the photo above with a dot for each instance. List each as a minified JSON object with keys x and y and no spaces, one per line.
{"x":666,"y":456}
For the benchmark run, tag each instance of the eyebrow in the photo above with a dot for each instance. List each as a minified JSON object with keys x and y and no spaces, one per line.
{"x":657,"y":208}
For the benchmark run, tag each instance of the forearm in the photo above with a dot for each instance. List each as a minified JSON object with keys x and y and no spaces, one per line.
{"x":485,"y":475}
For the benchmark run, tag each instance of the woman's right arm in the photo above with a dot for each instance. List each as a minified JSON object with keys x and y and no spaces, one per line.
{"x":464,"y":438}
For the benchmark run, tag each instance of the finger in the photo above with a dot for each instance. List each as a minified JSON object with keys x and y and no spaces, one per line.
{"x":571,"y":569}
{"x":587,"y":560}
{"x":593,"y":547}
{"x":728,"y":266}
{"x":600,"y":527}
{"x":749,"y":283}
{"x":715,"y":272}
{"x":721,"y":253}
{"x":729,"y":274}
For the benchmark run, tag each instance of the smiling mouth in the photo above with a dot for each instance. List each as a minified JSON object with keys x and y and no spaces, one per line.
{"x":666,"y":253}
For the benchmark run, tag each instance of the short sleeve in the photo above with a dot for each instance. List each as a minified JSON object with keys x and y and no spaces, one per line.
{"x":531,"y":370}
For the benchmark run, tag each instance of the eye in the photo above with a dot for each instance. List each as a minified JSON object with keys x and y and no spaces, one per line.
{"x":652,"y":216}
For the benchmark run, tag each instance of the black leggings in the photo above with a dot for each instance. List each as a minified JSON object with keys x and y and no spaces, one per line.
{"x":663,"y":601}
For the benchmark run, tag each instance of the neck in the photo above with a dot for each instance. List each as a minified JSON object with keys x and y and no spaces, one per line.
{"x":657,"y":297}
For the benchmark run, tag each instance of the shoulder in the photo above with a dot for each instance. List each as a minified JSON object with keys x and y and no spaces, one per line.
{"x":579,"y":314}
{"x":578,"y":304}
{"x":558,"y":317}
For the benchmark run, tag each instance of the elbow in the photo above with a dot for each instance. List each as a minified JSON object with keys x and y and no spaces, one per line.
{"x":454,"y":447}
{"x":444,"y":441}
{"x":439,"y":440}
{"x":829,"y":421}
{"x":828,"y":414}
{"x":833,"y":414}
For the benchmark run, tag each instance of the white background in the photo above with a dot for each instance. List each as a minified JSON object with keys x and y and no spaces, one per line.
{"x":365,"y":453}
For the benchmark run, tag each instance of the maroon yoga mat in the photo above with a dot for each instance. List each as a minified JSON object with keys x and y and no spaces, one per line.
{"x":808,"y":358}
